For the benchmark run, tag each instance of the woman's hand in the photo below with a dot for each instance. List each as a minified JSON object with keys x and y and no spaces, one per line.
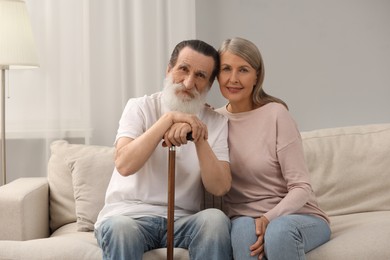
{"x":258,"y":247}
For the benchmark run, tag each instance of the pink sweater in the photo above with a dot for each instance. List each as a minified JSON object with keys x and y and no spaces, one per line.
{"x":270,"y":176}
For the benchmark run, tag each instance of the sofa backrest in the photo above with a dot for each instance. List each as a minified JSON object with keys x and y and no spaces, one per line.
{"x":78,"y":177}
{"x":350,"y":167}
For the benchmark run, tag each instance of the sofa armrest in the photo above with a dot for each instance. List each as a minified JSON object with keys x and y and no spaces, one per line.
{"x":24,"y":209}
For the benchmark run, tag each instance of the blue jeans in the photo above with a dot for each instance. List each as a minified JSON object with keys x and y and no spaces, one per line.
{"x":287,"y":237}
{"x":205,"y":234}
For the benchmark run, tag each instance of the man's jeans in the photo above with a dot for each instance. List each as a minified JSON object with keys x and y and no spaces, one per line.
{"x":206,"y":235}
{"x":286,"y":237}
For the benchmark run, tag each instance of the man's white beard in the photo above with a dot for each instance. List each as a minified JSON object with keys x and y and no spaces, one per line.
{"x":175,"y":99}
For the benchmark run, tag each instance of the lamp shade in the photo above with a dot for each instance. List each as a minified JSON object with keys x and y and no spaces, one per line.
{"x":17,"y":48}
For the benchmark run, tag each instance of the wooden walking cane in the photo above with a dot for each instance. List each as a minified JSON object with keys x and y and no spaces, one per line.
{"x":171,"y":201}
{"x":171,"y":197}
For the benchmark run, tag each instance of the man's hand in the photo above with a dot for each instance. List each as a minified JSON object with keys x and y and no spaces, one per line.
{"x":198,"y":128}
{"x":177,"y":134}
{"x":258,"y":247}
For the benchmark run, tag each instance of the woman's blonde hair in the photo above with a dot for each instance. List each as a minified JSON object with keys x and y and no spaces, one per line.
{"x":251,"y":54}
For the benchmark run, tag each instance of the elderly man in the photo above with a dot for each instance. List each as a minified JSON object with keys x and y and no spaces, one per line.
{"x":133,"y":219}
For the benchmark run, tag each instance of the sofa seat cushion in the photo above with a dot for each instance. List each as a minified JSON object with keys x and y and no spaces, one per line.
{"x":69,"y":231}
{"x":356,"y":236}
{"x":161,"y":254}
{"x":63,"y":245}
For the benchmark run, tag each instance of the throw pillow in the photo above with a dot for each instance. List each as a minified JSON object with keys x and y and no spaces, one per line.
{"x":62,"y":205}
{"x":91,"y":171}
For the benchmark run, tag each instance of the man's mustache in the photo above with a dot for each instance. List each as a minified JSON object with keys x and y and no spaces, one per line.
{"x":179,"y":87}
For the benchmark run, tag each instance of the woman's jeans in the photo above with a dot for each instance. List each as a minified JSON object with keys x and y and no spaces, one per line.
{"x":205,"y":234}
{"x":287,"y":237}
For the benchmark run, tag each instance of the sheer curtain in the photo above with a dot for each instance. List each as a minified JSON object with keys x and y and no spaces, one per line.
{"x":94,"y":55}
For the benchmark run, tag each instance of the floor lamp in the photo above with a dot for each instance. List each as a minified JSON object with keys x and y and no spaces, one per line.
{"x":17,"y":50}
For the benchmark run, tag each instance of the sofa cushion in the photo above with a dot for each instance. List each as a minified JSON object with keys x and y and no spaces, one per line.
{"x":356,"y":236}
{"x":68,"y":232}
{"x":62,"y":204}
{"x":69,"y":246}
{"x":75,"y":160}
{"x":349,"y":168}
{"x":91,"y":171}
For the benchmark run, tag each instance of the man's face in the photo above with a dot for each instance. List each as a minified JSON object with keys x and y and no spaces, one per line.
{"x":193,"y":71}
{"x":187,"y":83}
{"x":177,"y":98}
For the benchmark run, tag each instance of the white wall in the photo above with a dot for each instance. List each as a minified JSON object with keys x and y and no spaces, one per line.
{"x":329,"y":60}
{"x":94,"y":56}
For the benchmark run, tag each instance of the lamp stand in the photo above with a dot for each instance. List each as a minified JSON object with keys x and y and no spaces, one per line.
{"x":17,"y":51}
{"x":3,"y":158}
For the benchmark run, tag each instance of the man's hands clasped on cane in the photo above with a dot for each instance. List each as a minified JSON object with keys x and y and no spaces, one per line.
{"x":182,"y":124}
{"x":181,"y":132}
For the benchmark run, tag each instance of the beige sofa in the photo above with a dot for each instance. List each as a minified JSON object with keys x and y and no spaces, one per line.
{"x":52,"y":218}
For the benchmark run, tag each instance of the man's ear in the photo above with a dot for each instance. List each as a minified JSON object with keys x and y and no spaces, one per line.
{"x":168,"y":69}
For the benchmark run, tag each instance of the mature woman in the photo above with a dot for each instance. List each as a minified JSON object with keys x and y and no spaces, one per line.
{"x":272,"y":206}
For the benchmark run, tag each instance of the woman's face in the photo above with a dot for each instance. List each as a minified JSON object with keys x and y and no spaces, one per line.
{"x":236,"y":80}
